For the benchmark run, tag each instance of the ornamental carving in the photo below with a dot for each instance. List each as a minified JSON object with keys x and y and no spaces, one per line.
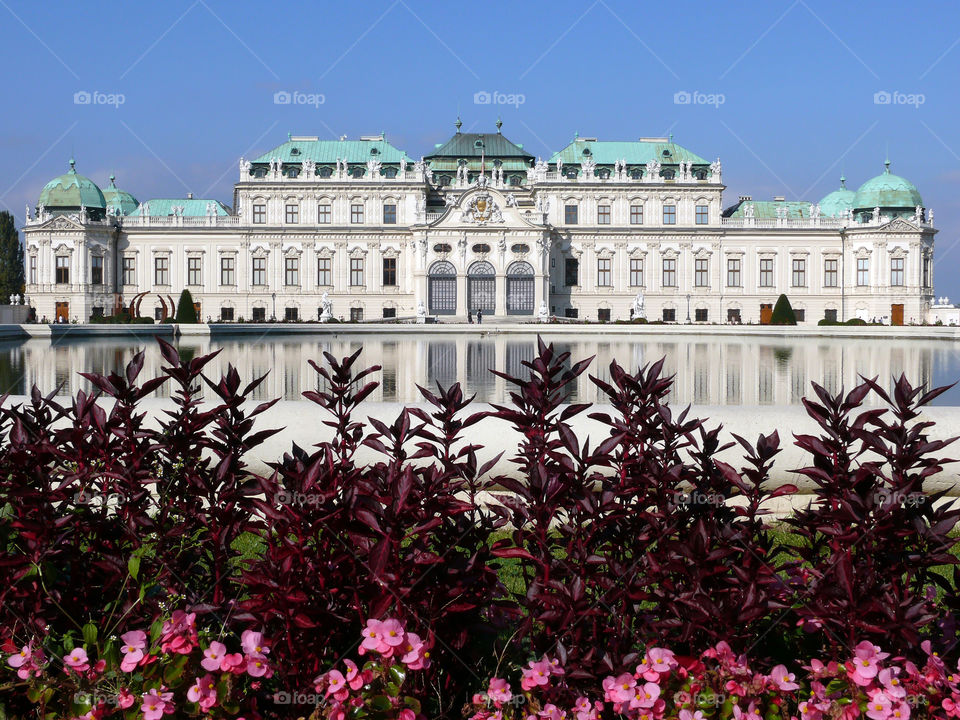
{"x":482,"y":209}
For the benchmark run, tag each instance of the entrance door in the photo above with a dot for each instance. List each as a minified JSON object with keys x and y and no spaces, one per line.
{"x":520,"y":289}
{"x":896,"y":314}
{"x":196,"y":309}
{"x":766,"y":313}
{"x":442,"y":288}
{"x":62,"y":312}
{"x":482,"y":288}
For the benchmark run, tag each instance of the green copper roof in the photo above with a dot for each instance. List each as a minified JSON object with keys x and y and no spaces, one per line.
{"x":192,"y":207}
{"x":296,"y":150}
{"x":476,"y":145}
{"x":71,"y":190}
{"x":836,"y":202}
{"x":117,"y":198}
{"x":887,"y":191}
{"x":635,"y":152}
{"x":763,"y":209}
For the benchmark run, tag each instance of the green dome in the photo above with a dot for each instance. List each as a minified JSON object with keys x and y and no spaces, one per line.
{"x":841,"y":199}
{"x":887,"y":191}
{"x":116,"y":198}
{"x":71,"y":191}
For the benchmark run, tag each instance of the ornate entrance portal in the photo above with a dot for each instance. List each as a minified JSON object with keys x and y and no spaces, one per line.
{"x":482,"y":287}
{"x":520,"y":288}
{"x":442,"y":288}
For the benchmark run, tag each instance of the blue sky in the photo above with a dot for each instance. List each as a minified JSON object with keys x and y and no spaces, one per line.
{"x":788,"y":89}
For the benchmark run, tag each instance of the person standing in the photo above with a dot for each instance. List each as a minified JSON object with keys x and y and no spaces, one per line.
{"x":479,"y":316}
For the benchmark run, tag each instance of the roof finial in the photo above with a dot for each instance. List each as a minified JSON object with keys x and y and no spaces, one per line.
{"x":886,"y":162}
{"x":499,"y":123}
{"x":112,"y":178}
{"x":671,"y":137}
{"x":289,"y":136}
{"x":576,"y":134}
{"x":843,"y":181}
{"x":73,"y":164}
{"x":458,"y":124}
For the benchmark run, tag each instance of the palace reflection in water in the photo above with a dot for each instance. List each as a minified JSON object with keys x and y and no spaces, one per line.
{"x":709,"y":370}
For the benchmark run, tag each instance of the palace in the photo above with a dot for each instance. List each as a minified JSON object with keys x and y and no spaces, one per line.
{"x":358,"y":230}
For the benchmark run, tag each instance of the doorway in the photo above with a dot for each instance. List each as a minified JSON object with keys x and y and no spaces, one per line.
{"x":896,"y":314}
{"x":766,"y":313}
{"x":62,"y":311}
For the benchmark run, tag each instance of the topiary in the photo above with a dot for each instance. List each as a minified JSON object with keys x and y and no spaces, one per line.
{"x":186,"y":311}
{"x":782,"y":313}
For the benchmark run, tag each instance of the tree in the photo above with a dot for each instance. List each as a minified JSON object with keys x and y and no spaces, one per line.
{"x":782,"y":313}
{"x":11,"y":259}
{"x":186,"y":312}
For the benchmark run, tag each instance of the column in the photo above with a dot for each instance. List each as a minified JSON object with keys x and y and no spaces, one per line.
{"x":501,"y":293}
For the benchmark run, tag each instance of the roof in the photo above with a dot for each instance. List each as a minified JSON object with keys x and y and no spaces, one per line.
{"x":192,"y":207}
{"x":117,"y":198}
{"x":834,"y":203}
{"x":71,"y":190}
{"x":887,"y":191}
{"x":768,"y":209}
{"x":635,"y":152}
{"x":298,"y":149}
{"x":474,"y":145}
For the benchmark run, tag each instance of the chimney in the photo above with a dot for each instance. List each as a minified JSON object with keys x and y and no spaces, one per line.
{"x":746,"y":198}
{"x":778,"y":198}
{"x":189,"y":196}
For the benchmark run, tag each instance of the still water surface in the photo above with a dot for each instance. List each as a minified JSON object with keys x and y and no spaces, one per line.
{"x":709,"y":370}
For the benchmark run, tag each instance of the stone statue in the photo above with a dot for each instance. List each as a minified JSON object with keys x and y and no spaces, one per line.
{"x":511,"y":201}
{"x":421,"y":208}
{"x":559,"y":166}
{"x":16,"y":298}
{"x":715,"y":169}
{"x":653,"y":171}
{"x":918,"y":214}
{"x":876,"y":215}
{"x":308,"y":168}
{"x":326,"y":308}
{"x":814,"y":211}
{"x":544,"y":312}
{"x":748,"y":211}
{"x":27,"y":212}
{"x":41,"y":210}
{"x":502,"y":244}
{"x":462,"y":243}
{"x":244,"y":167}
{"x":588,"y":167}
{"x":637,"y":310}
{"x":421,"y":313}
{"x":373,"y":168}
{"x":11,"y":300}
{"x":929,"y":216}
{"x":403,"y":167}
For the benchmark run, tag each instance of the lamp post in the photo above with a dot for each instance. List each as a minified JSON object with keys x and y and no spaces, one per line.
{"x":688,"y":308}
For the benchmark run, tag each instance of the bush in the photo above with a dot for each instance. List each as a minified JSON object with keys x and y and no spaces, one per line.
{"x":783,"y":313}
{"x":186,"y":310}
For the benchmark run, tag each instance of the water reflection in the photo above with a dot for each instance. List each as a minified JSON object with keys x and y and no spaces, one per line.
{"x":721,"y":371}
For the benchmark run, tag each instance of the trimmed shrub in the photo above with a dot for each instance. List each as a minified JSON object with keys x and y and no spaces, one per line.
{"x":783,"y":313}
{"x":186,"y":311}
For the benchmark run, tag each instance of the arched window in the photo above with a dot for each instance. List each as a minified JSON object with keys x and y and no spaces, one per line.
{"x":357,"y":172}
{"x":481,"y":268}
{"x":443,"y":180}
{"x":520,"y":288}
{"x":442,"y":268}
{"x":390,"y":172}
{"x":603,"y":173}
{"x":515,"y":180}
{"x":481,"y":287}
{"x":519,"y":269}
{"x":668,"y":174}
{"x":636,"y":173}
{"x":325,"y":171}
{"x":442,"y":288}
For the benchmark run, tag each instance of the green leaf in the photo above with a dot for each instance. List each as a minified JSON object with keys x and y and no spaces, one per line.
{"x":68,"y":644}
{"x":133,"y":565}
{"x":412,"y":703}
{"x":397,"y":675}
{"x":381,"y":703}
{"x":174,"y":671}
{"x":393,"y":690}
{"x":90,"y":634}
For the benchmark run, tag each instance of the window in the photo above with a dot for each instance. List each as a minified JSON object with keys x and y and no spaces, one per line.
{"x":766,"y":272}
{"x":389,"y":271}
{"x":63,"y":270}
{"x":603,"y":314}
{"x":571,"y":272}
{"x":227,"y":267}
{"x":390,"y":214}
{"x":733,"y":315}
{"x":193,"y":271}
{"x":291,"y":314}
{"x":703,"y":214}
{"x":669,"y":214}
{"x":701,"y":272}
{"x":863,"y":271}
{"x":259,"y":214}
{"x":669,"y":272}
{"x":356,"y":314}
{"x":636,"y":214}
{"x":324,"y":272}
{"x":636,"y":272}
{"x":926,"y":272}
{"x":896,"y":271}
{"x":33,"y":269}
{"x":291,"y":272}
{"x":830,"y":272}
{"x":389,"y":313}
{"x":700,"y":315}
{"x":258,"y":314}
{"x":669,"y":315}
{"x":96,"y":270}
{"x":323,"y":214}
{"x":603,"y":272}
{"x":800,"y":314}
{"x":259,"y":271}
{"x":570,"y":214}
{"x":292,"y":214}
{"x":161,"y":271}
{"x":733,"y":272}
{"x":603,"y":215}
{"x":226,"y":314}
{"x":356,"y":272}
{"x":798,"y":272}
{"x":356,"y":213}
{"x":830,"y":315}
{"x":129,"y":271}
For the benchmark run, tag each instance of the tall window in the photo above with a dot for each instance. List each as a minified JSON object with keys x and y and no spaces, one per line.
{"x":390,"y":271}
{"x":766,"y":272}
{"x":603,"y":215}
{"x":830,"y":272}
{"x":636,"y":214}
{"x":669,"y":272}
{"x":161,"y":270}
{"x":228,"y":266}
{"x":570,"y":214}
{"x":733,"y":272}
{"x":259,"y":214}
{"x":33,"y":269}
{"x":356,"y":272}
{"x":96,"y":270}
{"x":259,"y":271}
{"x":63,"y":270}
{"x":701,"y":272}
{"x":193,"y":271}
{"x":636,"y":272}
{"x":703,"y":214}
{"x":324,"y":272}
{"x":389,"y":214}
{"x":323,"y":214}
{"x":798,"y":273}
{"x":926,"y":272}
{"x":669,"y":214}
{"x":571,"y":272}
{"x":603,"y":272}
{"x":291,"y":271}
{"x":129,"y":271}
{"x":292,"y":214}
{"x":356,"y":213}
{"x":896,"y":271}
{"x":863,"y":272}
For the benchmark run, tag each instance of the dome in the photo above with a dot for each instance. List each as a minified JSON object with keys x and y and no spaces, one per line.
{"x":71,"y":191}
{"x":841,"y":199}
{"x":118,"y":199}
{"x":887,"y":191}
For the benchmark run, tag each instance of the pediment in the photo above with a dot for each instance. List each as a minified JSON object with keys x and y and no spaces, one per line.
{"x":483,"y":207}
{"x":59,"y":222}
{"x":900,"y":225}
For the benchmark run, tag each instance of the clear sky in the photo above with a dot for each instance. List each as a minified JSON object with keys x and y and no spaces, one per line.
{"x":785,"y":93}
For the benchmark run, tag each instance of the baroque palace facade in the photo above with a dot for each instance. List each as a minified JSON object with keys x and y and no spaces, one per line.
{"x":601,"y":231}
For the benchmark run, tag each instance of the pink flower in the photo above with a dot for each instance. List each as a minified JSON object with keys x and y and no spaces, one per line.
{"x":179,"y":634}
{"x":233,"y":663}
{"x":499,"y":690}
{"x":336,"y":682}
{"x":407,"y":714}
{"x":125,"y":699}
{"x":538,"y":673}
{"x":900,"y":711}
{"x":645,"y":696}
{"x":782,"y":679}
{"x":203,"y":692}
{"x":391,"y":632}
{"x":622,"y":689}
{"x":550,"y":712}
{"x":253,"y":644}
{"x":878,"y":706}
{"x":29,"y":661}
{"x":892,"y":686}
{"x":687,"y":715}
{"x":213,"y":656}
{"x":372,"y":635}
{"x":77,"y":660}
{"x":354,"y":678}
{"x":156,"y":704}
{"x":133,"y":640}
{"x":257,"y":666}
{"x":415,"y":652}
